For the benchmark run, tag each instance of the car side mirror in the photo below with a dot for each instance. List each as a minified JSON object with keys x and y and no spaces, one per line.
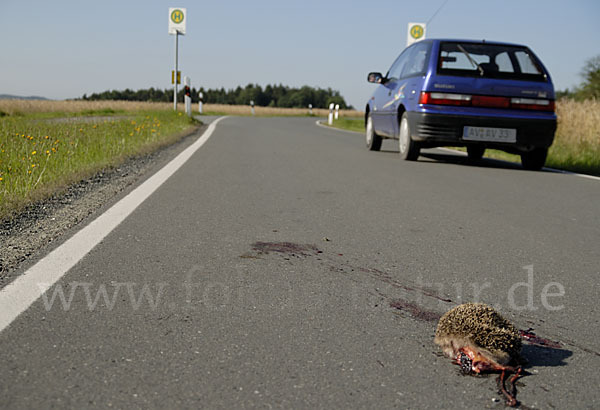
{"x":376,"y":78}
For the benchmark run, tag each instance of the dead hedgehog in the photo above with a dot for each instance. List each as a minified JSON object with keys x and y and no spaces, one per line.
{"x":480,"y":340}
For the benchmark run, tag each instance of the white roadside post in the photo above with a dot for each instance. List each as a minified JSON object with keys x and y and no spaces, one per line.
{"x":200,"y":101}
{"x":177,"y":21}
{"x":187,"y":97}
{"x":330,"y":117}
{"x":337,"y":111}
{"x":252,"y":106}
{"x":310,"y":109}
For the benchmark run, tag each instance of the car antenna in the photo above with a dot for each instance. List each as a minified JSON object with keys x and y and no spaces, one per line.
{"x":436,"y":12}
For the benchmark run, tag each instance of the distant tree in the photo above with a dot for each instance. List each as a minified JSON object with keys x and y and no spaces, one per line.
{"x":566,"y":93}
{"x":271,"y":96}
{"x":590,"y":88}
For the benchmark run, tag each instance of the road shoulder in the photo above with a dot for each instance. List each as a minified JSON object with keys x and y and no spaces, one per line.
{"x":45,"y":224}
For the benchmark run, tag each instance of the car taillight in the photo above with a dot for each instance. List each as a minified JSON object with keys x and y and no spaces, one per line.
{"x":487,"y":101}
{"x":444,"y":99}
{"x":531,"y":104}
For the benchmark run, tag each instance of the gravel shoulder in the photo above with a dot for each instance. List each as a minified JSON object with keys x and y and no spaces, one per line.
{"x":42,"y":225}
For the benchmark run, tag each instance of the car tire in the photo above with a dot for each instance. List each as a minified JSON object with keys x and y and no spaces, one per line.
{"x":535,"y":159}
{"x":373,"y":140}
{"x":475,"y":152}
{"x":409,"y":149}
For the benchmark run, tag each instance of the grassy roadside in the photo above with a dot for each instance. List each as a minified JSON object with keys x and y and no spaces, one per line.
{"x":45,"y":151}
{"x":350,"y":124}
{"x":246,"y":110}
{"x":22,"y":107}
{"x":576,"y":145}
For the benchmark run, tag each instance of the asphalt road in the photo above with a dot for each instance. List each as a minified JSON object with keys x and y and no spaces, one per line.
{"x":289,"y":267}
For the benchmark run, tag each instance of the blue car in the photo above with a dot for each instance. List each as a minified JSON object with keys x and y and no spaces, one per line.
{"x":473,"y":94}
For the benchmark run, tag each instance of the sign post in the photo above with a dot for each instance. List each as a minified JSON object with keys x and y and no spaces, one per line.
{"x":416,"y":32}
{"x":177,"y":22}
{"x":176,"y":72}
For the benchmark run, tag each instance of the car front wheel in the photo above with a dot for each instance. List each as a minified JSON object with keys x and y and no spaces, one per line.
{"x":373,"y":140}
{"x":535,"y":159}
{"x":409,"y":149}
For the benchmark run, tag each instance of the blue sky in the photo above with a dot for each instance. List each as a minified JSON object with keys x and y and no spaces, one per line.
{"x":65,"y":48}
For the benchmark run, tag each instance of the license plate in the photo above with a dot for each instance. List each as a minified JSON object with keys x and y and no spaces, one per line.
{"x":490,"y":134}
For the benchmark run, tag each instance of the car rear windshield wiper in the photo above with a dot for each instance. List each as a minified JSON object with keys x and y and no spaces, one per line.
{"x":461,"y":48}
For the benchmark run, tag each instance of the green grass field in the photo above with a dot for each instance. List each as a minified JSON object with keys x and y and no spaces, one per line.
{"x":42,"y":153}
{"x":350,"y":124}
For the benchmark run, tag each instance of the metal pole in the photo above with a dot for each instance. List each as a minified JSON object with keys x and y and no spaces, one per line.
{"x":175,"y":89}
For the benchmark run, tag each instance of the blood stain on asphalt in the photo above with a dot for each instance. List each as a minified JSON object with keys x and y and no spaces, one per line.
{"x":415,"y":310}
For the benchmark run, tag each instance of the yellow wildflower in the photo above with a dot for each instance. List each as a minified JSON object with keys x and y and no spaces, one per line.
{"x":34,"y":152}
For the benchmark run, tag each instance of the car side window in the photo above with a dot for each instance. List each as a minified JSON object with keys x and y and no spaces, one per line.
{"x":417,"y":60}
{"x":398,"y":66}
{"x":526,"y":63}
{"x":504,"y":63}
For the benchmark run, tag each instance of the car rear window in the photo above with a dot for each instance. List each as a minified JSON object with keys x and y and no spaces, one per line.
{"x":489,"y":61}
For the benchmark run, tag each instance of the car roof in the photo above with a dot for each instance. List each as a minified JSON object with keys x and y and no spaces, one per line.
{"x":482,"y":41}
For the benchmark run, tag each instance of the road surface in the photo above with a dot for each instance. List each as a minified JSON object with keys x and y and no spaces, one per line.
{"x":285,"y":266}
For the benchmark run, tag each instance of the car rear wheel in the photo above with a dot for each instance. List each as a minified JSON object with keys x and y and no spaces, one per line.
{"x":373,"y":140}
{"x":409,"y":149}
{"x":534,"y":160}
{"x":475,"y":152}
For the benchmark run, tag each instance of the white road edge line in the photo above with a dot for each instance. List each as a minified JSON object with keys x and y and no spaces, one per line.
{"x":18,"y":295}
{"x":559,"y":171}
{"x":318,"y":122}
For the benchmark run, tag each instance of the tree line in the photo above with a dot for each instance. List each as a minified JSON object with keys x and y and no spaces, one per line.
{"x":590,"y":86}
{"x":269,"y":96}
